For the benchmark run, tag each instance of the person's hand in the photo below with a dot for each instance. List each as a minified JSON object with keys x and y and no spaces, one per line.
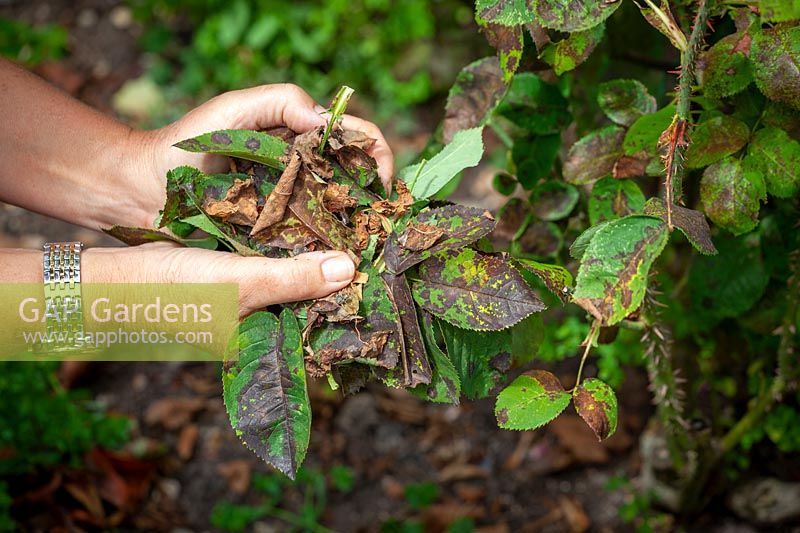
{"x":262,"y":281}
{"x":257,"y":108}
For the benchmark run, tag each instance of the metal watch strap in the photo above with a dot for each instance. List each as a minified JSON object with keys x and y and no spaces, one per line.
{"x":62,"y":293}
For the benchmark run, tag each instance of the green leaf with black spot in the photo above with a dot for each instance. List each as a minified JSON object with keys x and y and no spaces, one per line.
{"x":573,"y":15}
{"x":776,"y":156}
{"x":714,"y":139}
{"x":509,"y":43}
{"x":642,"y":137}
{"x":460,"y":225}
{"x":556,"y":278}
{"x":726,"y":68}
{"x":613,"y":274}
{"x":530,"y":401}
{"x":553,"y":200}
{"x":568,"y":53}
{"x":624,"y":101}
{"x":244,"y":144}
{"x":534,"y":106}
{"x":475,"y":291}
{"x":731,"y":195}
{"x":594,"y":155}
{"x":775,"y":58}
{"x":691,"y":223}
{"x":596,"y":403}
{"x":612,"y":198}
{"x":426,"y":178}
{"x":265,"y":390}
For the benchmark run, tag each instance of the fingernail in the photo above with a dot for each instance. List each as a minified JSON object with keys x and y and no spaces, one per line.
{"x":338,"y":269}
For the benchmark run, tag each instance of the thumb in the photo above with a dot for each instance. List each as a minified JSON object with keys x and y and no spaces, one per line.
{"x":264,"y":282}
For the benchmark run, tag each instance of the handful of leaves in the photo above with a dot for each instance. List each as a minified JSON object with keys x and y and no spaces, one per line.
{"x":426,"y":281}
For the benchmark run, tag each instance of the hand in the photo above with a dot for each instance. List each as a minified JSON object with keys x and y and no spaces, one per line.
{"x":262,"y":281}
{"x":257,"y":108}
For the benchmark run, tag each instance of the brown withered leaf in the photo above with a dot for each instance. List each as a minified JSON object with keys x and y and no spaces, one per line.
{"x":306,"y":144}
{"x":341,"y":306}
{"x":308,"y":206}
{"x":337,"y":198}
{"x":416,"y":367}
{"x":239,"y":205}
{"x":419,"y":236}
{"x":398,"y":207}
{"x":278,"y":199}
{"x":367,"y":223}
{"x":341,"y":138}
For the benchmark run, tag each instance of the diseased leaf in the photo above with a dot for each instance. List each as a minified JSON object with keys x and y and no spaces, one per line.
{"x":732,"y":282}
{"x":244,"y":144}
{"x":775,"y":58}
{"x":376,"y":341}
{"x":568,"y":53}
{"x":474,"y":291}
{"x":534,"y":158}
{"x":613,"y":274}
{"x":554,"y":200}
{"x":783,"y":117}
{"x":416,"y":367}
{"x":265,"y":390}
{"x":690,"y":222}
{"x":725,"y":69}
{"x":478,"y":89}
{"x":136,"y":236}
{"x":556,"y":278}
{"x":505,"y":12}
{"x":731,"y":195}
{"x":426,"y":178}
{"x":534,"y":106}
{"x":776,"y":157}
{"x":715,"y":138}
{"x":624,"y":101}
{"x":508,"y":42}
{"x":530,"y":401}
{"x":307,"y":204}
{"x":445,"y":386}
{"x":642,"y":137}
{"x":481,"y":359}
{"x":275,"y":204}
{"x":612,"y":198}
{"x":573,"y":15}
{"x":593,"y":156}
{"x":239,"y":205}
{"x":581,"y":243}
{"x":662,"y":20}
{"x":596,"y":403}
{"x":460,"y":225}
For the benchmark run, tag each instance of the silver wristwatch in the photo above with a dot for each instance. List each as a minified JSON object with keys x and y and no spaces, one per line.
{"x":62,"y":295}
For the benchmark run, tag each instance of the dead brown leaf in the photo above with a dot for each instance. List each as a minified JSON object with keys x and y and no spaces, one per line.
{"x":306,"y":145}
{"x":240,"y":205}
{"x":395,"y":208}
{"x":187,"y":439}
{"x":337,"y":198}
{"x":278,"y":199}
{"x":420,"y":236}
